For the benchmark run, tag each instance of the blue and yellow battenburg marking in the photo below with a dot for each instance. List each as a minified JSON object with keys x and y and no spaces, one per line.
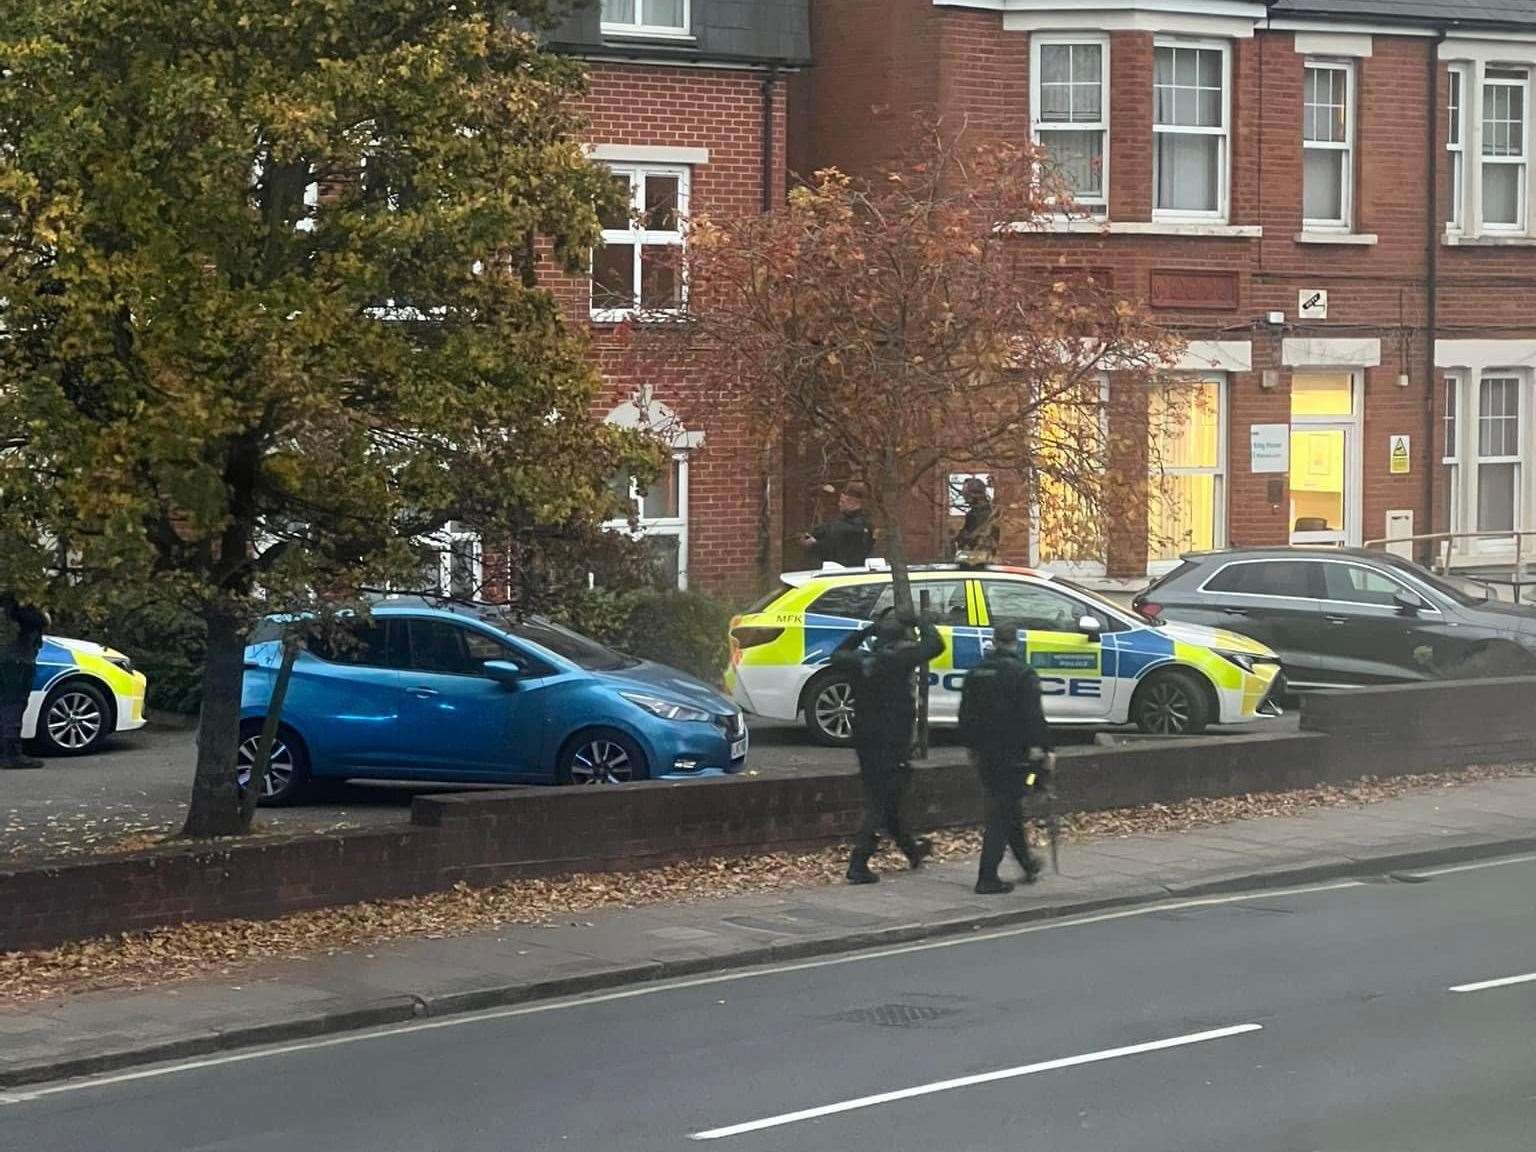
{"x":768,"y":678}
{"x":61,"y":659}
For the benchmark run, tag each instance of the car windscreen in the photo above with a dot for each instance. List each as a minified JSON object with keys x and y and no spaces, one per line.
{"x":576,"y":648}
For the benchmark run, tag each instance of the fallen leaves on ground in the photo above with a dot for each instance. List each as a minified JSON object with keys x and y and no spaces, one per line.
{"x":224,"y":948}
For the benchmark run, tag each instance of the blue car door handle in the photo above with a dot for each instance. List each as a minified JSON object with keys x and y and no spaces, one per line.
{"x":422,"y":693}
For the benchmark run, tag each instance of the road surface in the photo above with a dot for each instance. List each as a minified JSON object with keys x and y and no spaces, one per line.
{"x":1386,"y":1016}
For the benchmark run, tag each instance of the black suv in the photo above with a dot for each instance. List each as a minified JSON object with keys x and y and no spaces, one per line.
{"x":1342,"y":617}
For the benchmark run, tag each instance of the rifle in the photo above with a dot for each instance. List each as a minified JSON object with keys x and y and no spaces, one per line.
{"x":1052,"y":816}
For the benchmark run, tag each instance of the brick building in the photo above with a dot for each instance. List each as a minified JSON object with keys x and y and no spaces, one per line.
{"x":687,"y":104}
{"x":1330,"y":199}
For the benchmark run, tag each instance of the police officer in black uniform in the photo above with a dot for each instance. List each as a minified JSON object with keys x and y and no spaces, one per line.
{"x":847,"y":540}
{"x":1002,"y":722}
{"x":884,"y":712}
{"x":21,"y":638}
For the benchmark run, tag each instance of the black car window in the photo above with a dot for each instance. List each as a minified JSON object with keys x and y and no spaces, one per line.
{"x":852,"y":602}
{"x":1357,"y":585}
{"x":1031,"y":606}
{"x":946,"y":600}
{"x":438,"y":646}
{"x":354,"y":643}
{"x":573,"y":646}
{"x":1266,"y":578}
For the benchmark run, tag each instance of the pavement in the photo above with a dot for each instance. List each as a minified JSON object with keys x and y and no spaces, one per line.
{"x":436,"y":981}
{"x":136,"y":789}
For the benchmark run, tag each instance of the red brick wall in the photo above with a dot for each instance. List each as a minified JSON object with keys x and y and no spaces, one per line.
{"x":732,"y":515}
{"x":961,"y":65}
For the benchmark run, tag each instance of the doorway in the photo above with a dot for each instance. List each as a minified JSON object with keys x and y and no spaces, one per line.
{"x":1325,"y":459}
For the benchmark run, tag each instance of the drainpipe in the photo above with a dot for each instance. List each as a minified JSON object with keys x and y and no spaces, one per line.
{"x":1432,"y":278}
{"x":770,"y":82}
{"x":765,"y":504}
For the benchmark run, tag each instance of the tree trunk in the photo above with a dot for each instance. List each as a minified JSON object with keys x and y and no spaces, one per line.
{"x":292,"y":646}
{"x":892,"y":501}
{"x":215,"y":808}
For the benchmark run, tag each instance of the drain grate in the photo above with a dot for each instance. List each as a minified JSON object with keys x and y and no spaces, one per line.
{"x":895,"y":1015}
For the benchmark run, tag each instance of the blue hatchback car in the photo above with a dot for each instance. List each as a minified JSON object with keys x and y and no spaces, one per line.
{"x":436,"y":694}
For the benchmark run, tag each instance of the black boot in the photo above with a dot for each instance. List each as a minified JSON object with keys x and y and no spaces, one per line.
{"x":918,"y":851}
{"x":12,"y":757}
{"x":1031,"y":869}
{"x":993,"y":886}
{"x":859,"y":873}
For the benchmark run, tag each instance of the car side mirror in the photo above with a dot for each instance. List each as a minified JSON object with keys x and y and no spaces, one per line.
{"x":503,"y":672}
{"x":1409,"y":603}
{"x":1090,"y":626}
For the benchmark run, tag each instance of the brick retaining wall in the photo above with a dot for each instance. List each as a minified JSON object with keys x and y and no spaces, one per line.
{"x":481,"y":838}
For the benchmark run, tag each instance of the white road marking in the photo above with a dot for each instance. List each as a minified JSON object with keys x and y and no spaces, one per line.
{"x":23,"y":1095}
{"x":969,"y":1081}
{"x":1473,"y":867}
{"x":1502,"y":982}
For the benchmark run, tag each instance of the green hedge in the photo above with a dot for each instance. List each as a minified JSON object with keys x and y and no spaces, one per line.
{"x":685,"y":630}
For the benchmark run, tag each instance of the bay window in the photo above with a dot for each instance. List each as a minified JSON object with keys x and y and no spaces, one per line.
{"x":1505,"y":93}
{"x":1451,"y":452}
{"x":1455,"y":136}
{"x":1327,"y":134}
{"x":1190,"y":130}
{"x":1071,"y":112}
{"x":1498,"y":453}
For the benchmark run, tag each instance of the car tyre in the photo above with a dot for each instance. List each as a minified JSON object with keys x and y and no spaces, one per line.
{"x":828,"y":708}
{"x":75,"y":720}
{"x":287,"y":769}
{"x":1171,"y":703}
{"x":600,"y":756}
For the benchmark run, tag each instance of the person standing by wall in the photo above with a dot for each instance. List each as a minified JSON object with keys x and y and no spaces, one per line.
{"x":847,"y":540}
{"x":980,"y":536}
{"x":21,"y":638}
{"x":884,"y":712}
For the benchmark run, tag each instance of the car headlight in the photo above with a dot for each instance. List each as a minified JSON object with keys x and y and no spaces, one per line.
{"x":1244,"y":660}
{"x":666,"y":709}
{"x":118,"y":660}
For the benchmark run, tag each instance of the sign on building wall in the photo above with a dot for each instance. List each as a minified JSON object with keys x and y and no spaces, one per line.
{"x":1399,"y":461}
{"x":1269,"y":448}
{"x":1312,"y":303}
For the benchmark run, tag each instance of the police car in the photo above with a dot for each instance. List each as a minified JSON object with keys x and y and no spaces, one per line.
{"x":82,"y":693}
{"x":1099,"y":665}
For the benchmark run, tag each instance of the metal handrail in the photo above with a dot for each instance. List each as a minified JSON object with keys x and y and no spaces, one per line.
{"x":1447,"y":538}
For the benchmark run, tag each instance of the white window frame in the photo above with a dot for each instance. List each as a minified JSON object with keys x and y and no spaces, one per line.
{"x":1353,"y":427}
{"x":640,"y":237}
{"x":1522,"y":162}
{"x":647,"y":526}
{"x":1345,"y":220}
{"x":639,"y":27}
{"x":1477,"y":459}
{"x":454,"y":538}
{"x":1098,"y":204}
{"x":1224,"y":159}
{"x":1452,"y":421}
{"x":1458,"y":92}
{"x":1219,"y":471}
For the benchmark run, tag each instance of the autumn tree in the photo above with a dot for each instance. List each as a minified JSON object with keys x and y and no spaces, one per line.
{"x":917,"y":327}
{"x":267,"y":306}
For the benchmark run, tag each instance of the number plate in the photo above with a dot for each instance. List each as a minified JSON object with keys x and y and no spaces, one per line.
{"x":738,"y":748}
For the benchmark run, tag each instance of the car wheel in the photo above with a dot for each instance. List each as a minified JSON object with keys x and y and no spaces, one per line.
{"x":1171,"y":703}
{"x":829,"y":711}
{"x":601,"y":756}
{"x":75,"y":721}
{"x":287,"y":766}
